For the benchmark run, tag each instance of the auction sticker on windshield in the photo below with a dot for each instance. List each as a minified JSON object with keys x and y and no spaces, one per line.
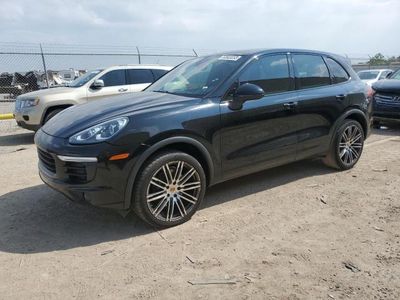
{"x":230,"y":57}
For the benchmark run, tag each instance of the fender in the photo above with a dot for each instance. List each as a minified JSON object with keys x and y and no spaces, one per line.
{"x":360,"y":114}
{"x":152,"y":149}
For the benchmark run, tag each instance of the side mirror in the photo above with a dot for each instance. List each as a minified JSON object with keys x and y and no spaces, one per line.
{"x":388,"y":75}
{"x":97,"y":84}
{"x":245,"y":92}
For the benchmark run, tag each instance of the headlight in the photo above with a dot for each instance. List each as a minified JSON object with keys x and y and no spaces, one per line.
{"x":100,"y":132}
{"x":29,"y":102}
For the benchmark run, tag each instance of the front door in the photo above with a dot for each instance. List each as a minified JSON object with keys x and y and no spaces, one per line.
{"x":264,"y":132}
{"x":114,"y":85}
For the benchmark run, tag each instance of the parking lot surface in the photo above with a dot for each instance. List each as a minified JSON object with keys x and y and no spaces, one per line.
{"x":302,"y":231}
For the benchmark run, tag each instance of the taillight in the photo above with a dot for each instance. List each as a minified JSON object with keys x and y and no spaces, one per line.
{"x":370,"y":93}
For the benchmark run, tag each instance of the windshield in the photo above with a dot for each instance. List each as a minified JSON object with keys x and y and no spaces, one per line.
{"x":84,"y":78}
{"x":366,"y":75}
{"x":395,"y":75}
{"x":197,"y":77}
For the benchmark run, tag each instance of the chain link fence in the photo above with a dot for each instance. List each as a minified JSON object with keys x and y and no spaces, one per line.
{"x":26,"y":67}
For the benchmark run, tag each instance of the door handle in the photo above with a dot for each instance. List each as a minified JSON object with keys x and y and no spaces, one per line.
{"x":122,"y":90}
{"x":341,"y":97}
{"x":290,"y":105}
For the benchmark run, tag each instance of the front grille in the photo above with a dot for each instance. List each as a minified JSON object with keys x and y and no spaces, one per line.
{"x":75,"y":171}
{"x":47,"y":160}
{"x":387,"y":97}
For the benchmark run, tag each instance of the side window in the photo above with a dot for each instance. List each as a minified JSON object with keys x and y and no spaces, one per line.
{"x":337,"y":72}
{"x":136,"y":76}
{"x":310,"y":71}
{"x":271,"y":73}
{"x":158,"y":73}
{"x":113,"y":78}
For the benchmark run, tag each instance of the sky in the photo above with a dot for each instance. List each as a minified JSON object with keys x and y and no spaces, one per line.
{"x":352,"y":27}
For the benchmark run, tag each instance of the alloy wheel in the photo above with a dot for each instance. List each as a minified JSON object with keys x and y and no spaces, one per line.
{"x":173,"y":191}
{"x":350,"y":145}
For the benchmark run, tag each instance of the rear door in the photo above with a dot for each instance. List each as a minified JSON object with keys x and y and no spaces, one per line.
{"x":139,"y":79}
{"x":114,"y":84}
{"x":262,"y":133}
{"x":322,"y":99}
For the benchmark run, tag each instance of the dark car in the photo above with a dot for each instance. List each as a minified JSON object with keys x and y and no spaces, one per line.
{"x":208,"y":120}
{"x":386,"y":99}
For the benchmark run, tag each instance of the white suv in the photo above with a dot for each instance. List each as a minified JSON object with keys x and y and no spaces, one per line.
{"x":34,"y":109}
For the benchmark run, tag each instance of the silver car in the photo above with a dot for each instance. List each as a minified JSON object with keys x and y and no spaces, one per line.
{"x":34,"y":109}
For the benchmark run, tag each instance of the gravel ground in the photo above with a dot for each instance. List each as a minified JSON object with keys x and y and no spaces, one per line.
{"x":301,"y":231}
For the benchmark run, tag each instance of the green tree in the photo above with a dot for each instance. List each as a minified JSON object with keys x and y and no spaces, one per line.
{"x":378,"y":59}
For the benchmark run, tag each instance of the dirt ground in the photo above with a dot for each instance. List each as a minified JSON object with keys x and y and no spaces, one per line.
{"x":300,"y":231}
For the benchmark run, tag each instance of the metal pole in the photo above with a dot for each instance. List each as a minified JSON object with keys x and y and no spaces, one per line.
{"x":138,"y":53}
{"x":44,"y":66}
{"x":195,"y":53}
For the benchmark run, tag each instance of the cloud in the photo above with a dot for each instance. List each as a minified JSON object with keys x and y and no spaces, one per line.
{"x":343,"y":26}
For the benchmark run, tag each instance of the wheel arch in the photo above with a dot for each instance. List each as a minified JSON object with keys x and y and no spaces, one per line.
{"x":351,"y":114}
{"x":49,"y":109}
{"x":185,"y":144}
{"x":359,"y":116}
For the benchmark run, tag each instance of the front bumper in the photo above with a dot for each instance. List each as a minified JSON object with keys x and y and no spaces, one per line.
{"x":101,"y":183}
{"x":28,"y":118}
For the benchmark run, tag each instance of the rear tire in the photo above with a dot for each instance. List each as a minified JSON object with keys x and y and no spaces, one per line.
{"x":169,"y":189}
{"x":346,"y":147}
{"x":51,"y":114}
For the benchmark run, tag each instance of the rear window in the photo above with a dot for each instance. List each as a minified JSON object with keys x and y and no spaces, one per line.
{"x":310,"y":71}
{"x":367,"y":75}
{"x":338,"y":73}
{"x":137,"y":76}
{"x":158,"y":73}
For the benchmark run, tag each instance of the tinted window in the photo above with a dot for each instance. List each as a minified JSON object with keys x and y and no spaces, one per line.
{"x":337,"y":72}
{"x":367,"y":75}
{"x":310,"y":71}
{"x":136,"y":76}
{"x":113,"y":78}
{"x":158,"y":73}
{"x":271,"y":73}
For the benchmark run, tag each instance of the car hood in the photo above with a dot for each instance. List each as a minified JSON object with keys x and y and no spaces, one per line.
{"x":387,"y":85}
{"x":80,"y":117}
{"x":47,"y":92}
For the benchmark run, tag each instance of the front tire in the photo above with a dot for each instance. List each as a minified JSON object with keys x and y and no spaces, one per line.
{"x":347,"y":146}
{"x":169,"y":189}
{"x":51,"y":114}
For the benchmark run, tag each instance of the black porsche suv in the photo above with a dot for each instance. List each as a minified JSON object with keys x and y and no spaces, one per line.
{"x":208,"y":120}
